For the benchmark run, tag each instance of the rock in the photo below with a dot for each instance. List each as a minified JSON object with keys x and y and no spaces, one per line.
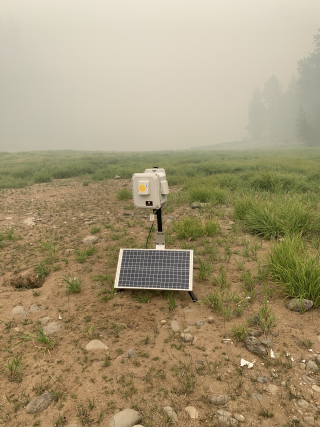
{"x":257,"y":396}
{"x":224,"y":421}
{"x":267,"y":343}
{"x":302,"y":366}
{"x":200,"y":322}
{"x":302,"y":403}
{"x":53,"y":328}
{"x":163,"y":322}
{"x":117,"y":177}
{"x":90,"y":240}
{"x":312,"y":365}
{"x":73,"y":425}
{"x":253,"y":345}
{"x":299,"y":305}
{"x":34,"y":308}
{"x":309,"y":421}
{"x":199,"y":362}
{"x":316,"y":388}
{"x":128,"y":213}
{"x":175,"y":325}
{"x":231,"y":222}
{"x":272,"y":388}
{"x":126,"y":418}
{"x":254,"y":320}
{"x":223,"y":413}
{"x":97,"y":345}
{"x":195,"y":205}
{"x":239,"y":417}
{"x":306,"y":379}
{"x":188,"y":329}
{"x":193,"y":413}
{"x":210,"y":320}
{"x":262,"y":380}
{"x":39,"y":403}
{"x":18,"y":311}
{"x":171,"y":414}
{"x":219,"y":400}
{"x":186,"y":337}
{"x":44,"y":320}
{"x":254,"y":333}
{"x":131,"y":353}
{"x":29,"y":221}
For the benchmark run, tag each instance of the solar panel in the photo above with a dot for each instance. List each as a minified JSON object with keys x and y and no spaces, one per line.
{"x":155,"y":269}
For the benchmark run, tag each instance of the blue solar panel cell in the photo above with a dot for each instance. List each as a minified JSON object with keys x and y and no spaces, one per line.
{"x":155,"y":269}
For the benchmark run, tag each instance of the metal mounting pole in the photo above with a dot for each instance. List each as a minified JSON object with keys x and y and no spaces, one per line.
{"x":160,"y":239}
{"x":193,"y":297}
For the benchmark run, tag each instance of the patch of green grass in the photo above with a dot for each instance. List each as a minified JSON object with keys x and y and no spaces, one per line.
{"x":15,"y":367}
{"x":81,"y":256}
{"x":295,"y":269}
{"x":39,"y":337}
{"x":192,"y":228}
{"x":281,"y":216}
{"x":41,"y":271}
{"x":207,"y":194}
{"x":124,"y":194}
{"x":95,"y":229}
{"x":73,"y":284}
{"x":239,"y":332}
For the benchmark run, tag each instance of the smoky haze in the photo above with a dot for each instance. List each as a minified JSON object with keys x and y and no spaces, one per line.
{"x":141,"y":74}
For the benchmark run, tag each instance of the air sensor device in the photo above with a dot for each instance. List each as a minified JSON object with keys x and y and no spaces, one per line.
{"x":150,"y":189}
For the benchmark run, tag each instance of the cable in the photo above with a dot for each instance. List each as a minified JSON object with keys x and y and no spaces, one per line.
{"x":149,"y":234}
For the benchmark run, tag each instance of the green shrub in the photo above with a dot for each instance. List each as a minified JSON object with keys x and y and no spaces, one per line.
{"x":40,"y":177}
{"x":279,"y":217}
{"x":207,"y":195}
{"x":191,"y":228}
{"x":296,"y":270}
{"x":124,"y":194}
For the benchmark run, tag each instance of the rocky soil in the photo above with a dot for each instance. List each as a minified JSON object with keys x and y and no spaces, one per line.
{"x":95,"y":357}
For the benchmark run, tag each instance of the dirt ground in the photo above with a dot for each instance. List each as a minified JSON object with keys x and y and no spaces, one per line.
{"x":90,"y":386}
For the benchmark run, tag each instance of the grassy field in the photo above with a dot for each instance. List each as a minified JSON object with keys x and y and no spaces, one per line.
{"x":254,"y":227}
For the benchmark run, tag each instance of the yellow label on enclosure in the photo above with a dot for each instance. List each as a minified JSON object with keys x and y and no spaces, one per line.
{"x":142,"y":188}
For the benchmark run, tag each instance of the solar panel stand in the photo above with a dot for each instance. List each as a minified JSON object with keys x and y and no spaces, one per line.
{"x":160,"y":239}
{"x":193,"y":297}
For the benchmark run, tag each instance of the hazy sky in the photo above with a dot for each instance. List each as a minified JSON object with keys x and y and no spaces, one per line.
{"x":142,"y":74}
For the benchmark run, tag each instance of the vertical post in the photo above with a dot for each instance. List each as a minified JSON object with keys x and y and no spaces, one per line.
{"x":159,"y":219}
{"x":160,"y":239}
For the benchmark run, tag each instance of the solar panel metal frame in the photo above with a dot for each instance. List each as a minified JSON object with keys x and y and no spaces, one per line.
{"x":173,"y":287}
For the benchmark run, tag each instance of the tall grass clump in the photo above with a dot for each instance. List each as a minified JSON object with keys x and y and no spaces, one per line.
{"x":277,"y":217}
{"x":124,"y":194}
{"x":191,"y":228}
{"x":207,"y":194}
{"x":295,"y":269}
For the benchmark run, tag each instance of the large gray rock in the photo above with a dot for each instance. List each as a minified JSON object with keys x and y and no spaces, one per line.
{"x":90,"y":240}
{"x":302,"y":403}
{"x":257,"y":396}
{"x":195,"y":205}
{"x":171,"y":413}
{"x":175,"y":325}
{"x":219,"y":400}
{"x":193,"y":413}
{"x":267,"y":343}
{"x":53,"y":328}
{"x":39,"y":403}
{"x":18,"y":311}
{"x":186,"y":337}
{"x":312,"y":365}
{"x":34,"y":308}
{"x":262,"y":380}
{"x":254,"y":346}
{"x":299,"y":305}
{"x":272,"y":388}
{"x":96,"y":345}
{"x":306,"y":379}
{"x":254,"y":333}
{"x":126,"y":418}
{"x":309,"y":421}
{"x":226,"y":421}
